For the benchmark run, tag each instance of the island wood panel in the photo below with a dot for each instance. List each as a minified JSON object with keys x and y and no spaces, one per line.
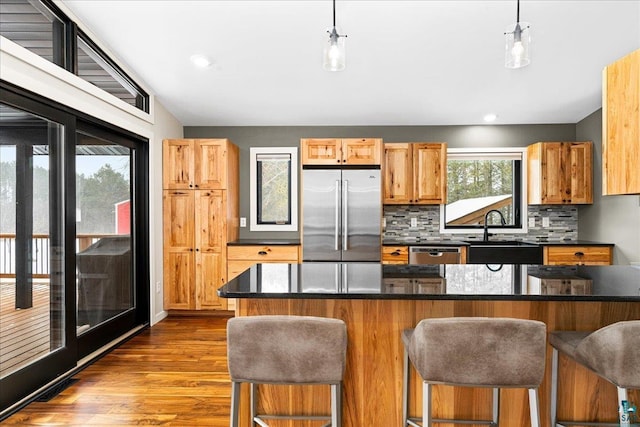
{"x":372,"y":392}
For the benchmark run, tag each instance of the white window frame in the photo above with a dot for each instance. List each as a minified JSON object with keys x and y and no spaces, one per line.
{"x":494,"y":152}
{"x":253,"y":202}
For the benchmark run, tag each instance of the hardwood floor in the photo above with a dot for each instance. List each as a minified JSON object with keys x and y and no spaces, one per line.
{"x":174,"y":374}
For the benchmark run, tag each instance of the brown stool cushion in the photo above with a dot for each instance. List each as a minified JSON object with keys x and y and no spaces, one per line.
{"x":286,"y":349}
{"x":613,"y":352}
{"x":479,"y":351}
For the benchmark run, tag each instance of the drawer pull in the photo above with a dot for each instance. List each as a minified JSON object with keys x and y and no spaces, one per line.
{"x":395,"y":253}
{"x":262,"y":253}
{"x":579,"y":254}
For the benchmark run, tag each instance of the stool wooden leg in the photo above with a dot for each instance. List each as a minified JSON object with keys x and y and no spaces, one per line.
{"x":534,"y":407}
{"x":235,"y":400}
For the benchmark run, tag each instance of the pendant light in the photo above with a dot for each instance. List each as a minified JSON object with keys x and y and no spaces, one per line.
{"x":517,"y":40}
{"x":334,"y":49}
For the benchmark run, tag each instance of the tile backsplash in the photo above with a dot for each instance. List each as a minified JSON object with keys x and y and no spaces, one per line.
{"x":563,"y":225}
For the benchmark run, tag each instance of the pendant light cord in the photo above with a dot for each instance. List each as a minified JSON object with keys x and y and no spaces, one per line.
{"x":517,"y":12}
{"x":334,"y":13}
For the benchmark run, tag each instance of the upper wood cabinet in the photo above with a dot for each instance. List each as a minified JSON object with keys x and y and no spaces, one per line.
{"x":348,"y":151}
{"x":415,"y":173}
{"x":560,"y":173}
{"x":621,"y":126}
{"x":194,"y":164}
{"x":197,"y":221}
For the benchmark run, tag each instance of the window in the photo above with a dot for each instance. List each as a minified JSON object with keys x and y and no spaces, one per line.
{"x":479,"y":181}
{"x":40,"y":27}
{"x":274,"y":188}
{"x":35,"y":27}
{"x":96,"y":68}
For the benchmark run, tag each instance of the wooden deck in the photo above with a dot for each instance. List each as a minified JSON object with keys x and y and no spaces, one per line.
{"x":24,"y":334}
{"x":174,"y":374}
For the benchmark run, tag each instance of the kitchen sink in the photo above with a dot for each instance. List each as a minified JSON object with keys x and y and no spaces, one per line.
{"x":503,"y":252}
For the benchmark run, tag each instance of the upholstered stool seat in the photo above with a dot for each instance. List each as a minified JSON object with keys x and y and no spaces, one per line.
{"x":475,"y":352}
{"x":286,"y":350}
{"x":611,"y":352}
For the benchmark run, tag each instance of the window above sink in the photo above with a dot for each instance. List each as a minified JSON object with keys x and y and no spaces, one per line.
{"x":481,"y":180}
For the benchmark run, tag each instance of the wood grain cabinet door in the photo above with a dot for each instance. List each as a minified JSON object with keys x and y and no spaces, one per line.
{"x":211,"y":270}
{"x":323,"y":151}
{"x":178,"y":164}
{"x":179,"y":245}
{"x":210,"y":220}
{"x":210,"y":248}
{"x":398,"y":174}
{"x":430,"y":173}
{"x":621,"y":126}
{"x":581,"y":179}
{"x":560,"y":173}
{"x":363,"y":151}
{"x":210,"y":164}
{"x":555,"y":173}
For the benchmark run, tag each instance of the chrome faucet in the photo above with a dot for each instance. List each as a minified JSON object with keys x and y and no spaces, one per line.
{"x":486,"y":226}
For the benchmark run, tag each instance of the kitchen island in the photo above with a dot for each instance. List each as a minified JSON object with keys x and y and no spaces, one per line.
{"x":377,"y":302}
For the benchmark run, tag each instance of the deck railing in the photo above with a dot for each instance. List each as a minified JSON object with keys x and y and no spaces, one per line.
{"x":40,"y":260}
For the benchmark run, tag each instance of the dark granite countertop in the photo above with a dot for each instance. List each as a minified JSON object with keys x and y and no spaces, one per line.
{"x":263,"y":242}
{"x":436,"y":282}
{"x":466,"y":243}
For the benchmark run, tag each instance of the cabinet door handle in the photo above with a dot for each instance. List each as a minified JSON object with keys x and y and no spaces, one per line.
{"x":262,"y":253}
{"x":579,"y":254}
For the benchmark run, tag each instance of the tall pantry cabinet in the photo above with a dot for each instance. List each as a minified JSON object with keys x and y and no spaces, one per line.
{"x":200,"y":215}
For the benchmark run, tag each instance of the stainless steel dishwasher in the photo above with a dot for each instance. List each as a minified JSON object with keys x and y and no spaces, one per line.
{"x":434,"y":255}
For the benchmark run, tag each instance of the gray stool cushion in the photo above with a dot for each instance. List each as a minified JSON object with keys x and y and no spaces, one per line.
{"x":286,"y":349}
{"x":613,"y":352}
{"x":479,"y":351}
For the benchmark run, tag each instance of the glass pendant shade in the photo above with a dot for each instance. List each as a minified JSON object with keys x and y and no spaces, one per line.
{"x":517,"y":44}
{"x":334,"y":57}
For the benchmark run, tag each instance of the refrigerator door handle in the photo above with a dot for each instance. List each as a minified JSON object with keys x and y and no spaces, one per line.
{"x":345,"y":217}
{"x":337,"y":217}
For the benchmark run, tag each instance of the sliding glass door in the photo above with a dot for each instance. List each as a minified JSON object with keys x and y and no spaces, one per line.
{"x":106,"y":202}
{"x":35,"y":345}
{"x":73,"y":240}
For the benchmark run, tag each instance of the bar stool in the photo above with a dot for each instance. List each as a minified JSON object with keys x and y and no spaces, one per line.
{"x":286,"y":350}
{"x":612,"y":352}
{"x":474,"y":352}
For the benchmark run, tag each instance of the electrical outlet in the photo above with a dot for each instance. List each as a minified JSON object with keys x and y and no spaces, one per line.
{"x":414,"y":222}
{"x":532,"y":222}
{"x":158,"y":287}
{"x":545,"y":221}
{"x":243,"y":221}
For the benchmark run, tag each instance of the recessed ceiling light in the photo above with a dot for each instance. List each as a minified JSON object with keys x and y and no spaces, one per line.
{"x":200,"y":61}
{"x":490,"y":117}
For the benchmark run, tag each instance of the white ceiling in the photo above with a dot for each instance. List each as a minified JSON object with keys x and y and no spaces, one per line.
{"x":408,"y":62}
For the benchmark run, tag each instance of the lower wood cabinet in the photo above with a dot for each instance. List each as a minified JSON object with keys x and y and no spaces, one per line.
{"x":577,"y":255}
{"x":239,"y":258}
{"x":395,"y":255}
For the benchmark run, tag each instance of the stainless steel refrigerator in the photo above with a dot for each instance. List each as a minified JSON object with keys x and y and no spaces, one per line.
{"x":341,"y":214}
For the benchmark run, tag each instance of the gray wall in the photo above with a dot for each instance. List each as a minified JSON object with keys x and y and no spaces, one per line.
{"x":613,"y":219}
{"x":288,"y":136}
